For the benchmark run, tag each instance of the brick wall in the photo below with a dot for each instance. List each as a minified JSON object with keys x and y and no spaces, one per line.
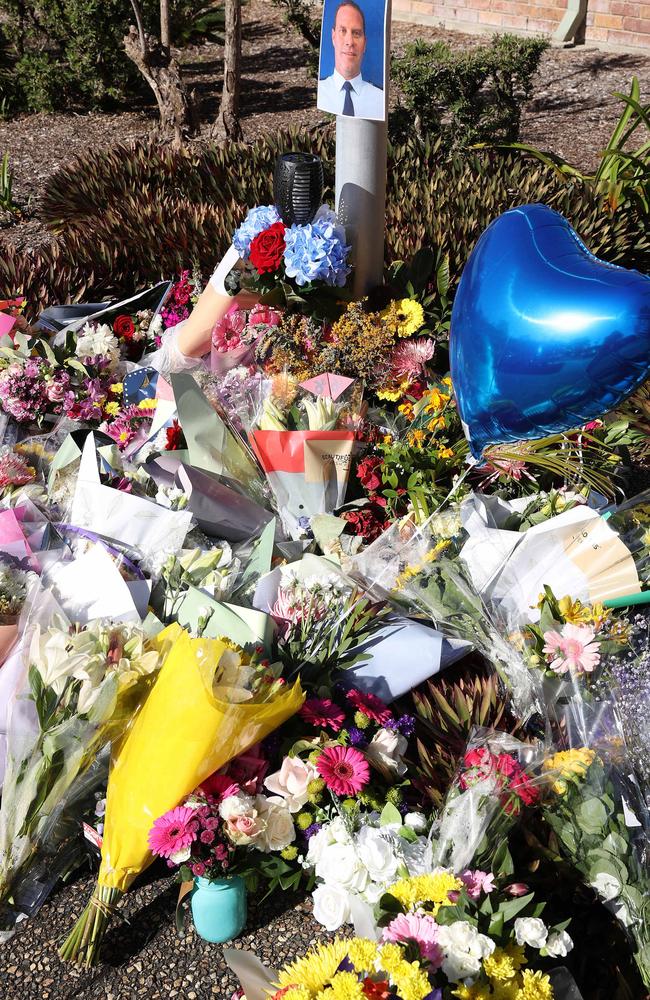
{"x":621,"y":24}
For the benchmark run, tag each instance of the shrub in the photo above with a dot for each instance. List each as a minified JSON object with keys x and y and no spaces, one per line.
{"x":129,"y":215}
{"x":67,"y":53}
{"x":469,"y":95}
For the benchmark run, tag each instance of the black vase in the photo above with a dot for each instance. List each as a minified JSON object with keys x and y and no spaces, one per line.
{"x":298,"y":187}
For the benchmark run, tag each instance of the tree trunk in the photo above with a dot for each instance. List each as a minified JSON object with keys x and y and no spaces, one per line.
{"x":163,"y":74}
{"x":165,"y":40}
{"x":228,"y":117}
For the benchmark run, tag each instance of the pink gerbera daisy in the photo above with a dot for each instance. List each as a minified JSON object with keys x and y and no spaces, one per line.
{"x":370,"y":705}
{"x":573,"y":649}
{"x":420,"y":928}
{"x":173,"y":831}
{"x":324,"y":713}
{"x":343,"y":769}
{"x":410,"y":356}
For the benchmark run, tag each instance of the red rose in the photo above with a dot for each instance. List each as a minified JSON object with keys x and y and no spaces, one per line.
{"x":267,"y":248}
{"x":124,"y":327}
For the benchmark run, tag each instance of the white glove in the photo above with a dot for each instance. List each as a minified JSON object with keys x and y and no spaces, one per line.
{"x":169,"y":358}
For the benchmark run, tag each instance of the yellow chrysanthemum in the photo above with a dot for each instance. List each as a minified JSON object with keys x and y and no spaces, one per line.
{"x":432,"y":889}
{"x":516,"y":953}
{"x":147,"y":404}
{"x":391,"y":957}
{"x":411,"y":982}
{"x":297,"y":993}
{"x":535,"y":986}
{"x":344,"y":986}
{"x":112,"y":409}
{"x":569,"y":763}
{"x":117,"y":387}
{"x":506,"y":991}
{"x":315,"y":969}
{"x":502,"y":965}
{"x":476,"y":992}
{"x":363,"y":954}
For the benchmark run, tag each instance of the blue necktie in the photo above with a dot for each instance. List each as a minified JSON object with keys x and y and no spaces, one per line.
{"x":348,"y":106}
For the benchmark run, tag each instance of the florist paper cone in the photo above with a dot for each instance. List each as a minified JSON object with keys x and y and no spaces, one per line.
{"x":182,"y":735}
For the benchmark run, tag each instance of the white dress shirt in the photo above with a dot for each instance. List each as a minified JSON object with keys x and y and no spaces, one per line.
{"x":367,"y":100}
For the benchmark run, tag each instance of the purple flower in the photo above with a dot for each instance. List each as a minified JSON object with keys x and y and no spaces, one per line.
{"x":357,"y":739}
{"x":312,"y":830}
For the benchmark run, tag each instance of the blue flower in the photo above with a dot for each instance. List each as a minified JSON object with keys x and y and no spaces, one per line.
{"x":316,"y":252}
{"x":257,"y":220}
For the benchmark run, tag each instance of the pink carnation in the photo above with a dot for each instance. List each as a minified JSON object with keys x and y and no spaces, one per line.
{"x":370,"y":705}
{"x":420,"y":928}
{"x":173,"y":832}
{"x":324,"y":713}
{"x":343,"y":769}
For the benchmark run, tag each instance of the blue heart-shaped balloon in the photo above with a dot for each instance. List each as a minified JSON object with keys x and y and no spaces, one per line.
{"x":544,"y":336}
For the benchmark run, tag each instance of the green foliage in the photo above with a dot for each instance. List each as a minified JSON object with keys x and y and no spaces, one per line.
{"x":67,"y":53}
{"x":127,"y":216}
{"x":190,"y":24}
{"x":467,"y":95}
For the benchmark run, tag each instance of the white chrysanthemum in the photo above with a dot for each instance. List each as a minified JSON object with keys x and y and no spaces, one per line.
{"x":97,"y":341}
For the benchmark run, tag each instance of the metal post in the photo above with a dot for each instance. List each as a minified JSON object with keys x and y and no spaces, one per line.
{"x":361,"y":156}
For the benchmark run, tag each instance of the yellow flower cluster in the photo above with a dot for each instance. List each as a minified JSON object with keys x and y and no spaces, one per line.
{"x":569,"y":764}
{"x":526,"y":985}
{"x":317,"y":976}
{"x":432,"y":889}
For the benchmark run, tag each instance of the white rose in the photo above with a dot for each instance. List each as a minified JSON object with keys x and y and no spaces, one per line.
{"x":339,"y":831}
{"x":291,"y":782}
{"x":559,"y":944}
{"x":464,"y":949}
{"x":317,"y":845}
{"x":416,"y":821}
{"x":236,"y":805}
{"x":279,"y":830}
{"x":607,"y":886}
{"x":531,"y":931}
{"x":378,"y":855}
{"x":178,"y":857}
{"x":385,"y":752}
{"x":340,"y":865}
{"x":373,"y":892}
{"x":331,"y":906}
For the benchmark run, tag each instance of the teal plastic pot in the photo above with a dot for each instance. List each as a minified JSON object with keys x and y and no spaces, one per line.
{"x":219,"y":908}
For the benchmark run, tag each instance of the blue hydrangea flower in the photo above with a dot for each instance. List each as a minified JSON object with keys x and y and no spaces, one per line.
{"x":257,"y":220}
{"x":316,"y":252}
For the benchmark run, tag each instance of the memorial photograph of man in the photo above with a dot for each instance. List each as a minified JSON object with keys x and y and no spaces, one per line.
{"x":352,"y":59}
